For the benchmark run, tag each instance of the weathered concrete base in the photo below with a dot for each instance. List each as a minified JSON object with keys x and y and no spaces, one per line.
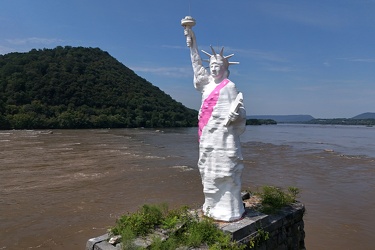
{"x":101,"y":243}
{"x":285,"y":230}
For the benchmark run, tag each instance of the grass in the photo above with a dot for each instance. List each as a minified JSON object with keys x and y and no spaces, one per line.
{"x":274,"y":198}
{"x":182,"y":227}
{"x":185,"y":228}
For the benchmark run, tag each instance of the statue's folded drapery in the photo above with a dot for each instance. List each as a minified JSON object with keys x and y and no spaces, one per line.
{"x":220,"y":157}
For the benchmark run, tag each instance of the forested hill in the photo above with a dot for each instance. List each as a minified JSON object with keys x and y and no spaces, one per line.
{"x":76,"y":87}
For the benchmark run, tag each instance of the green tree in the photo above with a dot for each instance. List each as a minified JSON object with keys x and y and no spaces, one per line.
{"x":70,"y":87}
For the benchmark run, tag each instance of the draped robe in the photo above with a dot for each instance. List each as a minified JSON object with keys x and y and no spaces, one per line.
{"x":220,"y":158}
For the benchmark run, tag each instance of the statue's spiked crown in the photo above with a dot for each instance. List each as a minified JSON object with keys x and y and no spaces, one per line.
{"x":220,"y":58}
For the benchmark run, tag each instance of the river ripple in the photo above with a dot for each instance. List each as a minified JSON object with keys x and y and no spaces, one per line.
{"x":58,"y":188}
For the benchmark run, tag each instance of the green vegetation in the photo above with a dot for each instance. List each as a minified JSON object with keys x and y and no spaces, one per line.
{"x":274,"y":198}
{"x":283,"y":118}
{"x":343,"y":121}
{"x":260,"y":237}
{"x":182,"y":227}
{"x":367,"y":115}
{"x":260,"y":122}
{"x":70,"y":87}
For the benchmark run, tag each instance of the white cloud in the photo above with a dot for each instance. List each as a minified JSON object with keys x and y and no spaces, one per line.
{"x":310,"y":88}
{"x":251,"y":53}
{"x":367,"y":60}
{"x":327,"y":64}
{"x":5,"y":50}
{"x":33,"y":40}
{"x":165,"y":71}
{"x":25,"y":44}
{"x":258,"y":54}
{"x":279,"y":69}
{"x":357,"y":59}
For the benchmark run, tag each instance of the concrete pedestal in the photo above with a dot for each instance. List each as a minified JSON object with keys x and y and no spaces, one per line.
{"x":285,"y":230}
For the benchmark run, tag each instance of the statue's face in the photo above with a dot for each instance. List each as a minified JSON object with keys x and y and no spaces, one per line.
{"x":217,"y":70}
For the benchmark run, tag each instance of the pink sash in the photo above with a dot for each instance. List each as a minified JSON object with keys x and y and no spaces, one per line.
{"x":208,"y":106}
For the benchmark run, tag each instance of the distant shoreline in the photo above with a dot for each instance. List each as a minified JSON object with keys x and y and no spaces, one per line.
{"x":342,"y":121}
{"x":365,"y":119}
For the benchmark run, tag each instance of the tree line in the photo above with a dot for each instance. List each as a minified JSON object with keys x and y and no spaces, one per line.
{"x":260,"y":122}
{"x":77,"y":87}
{"x":343,"y":121}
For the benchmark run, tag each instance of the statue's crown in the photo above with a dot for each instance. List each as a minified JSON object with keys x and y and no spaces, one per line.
{"x":219,"y":57}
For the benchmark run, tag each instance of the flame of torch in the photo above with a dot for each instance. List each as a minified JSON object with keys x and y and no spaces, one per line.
{"x":188,"y":22}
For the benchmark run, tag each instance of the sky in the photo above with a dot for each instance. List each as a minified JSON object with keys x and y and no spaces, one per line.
{"x":313,"y":57}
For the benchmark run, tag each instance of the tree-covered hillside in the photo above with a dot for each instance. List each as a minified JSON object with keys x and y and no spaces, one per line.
{"x":70,"y":87}
{"x":367,"y":115}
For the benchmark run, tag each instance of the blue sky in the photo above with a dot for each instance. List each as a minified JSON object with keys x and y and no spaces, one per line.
{"x":312,"y":57}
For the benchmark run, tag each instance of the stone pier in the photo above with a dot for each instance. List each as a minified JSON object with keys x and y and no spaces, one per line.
{"x":285,"y":230}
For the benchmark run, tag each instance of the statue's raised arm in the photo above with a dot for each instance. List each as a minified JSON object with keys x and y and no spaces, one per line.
{"x":201,"y":75}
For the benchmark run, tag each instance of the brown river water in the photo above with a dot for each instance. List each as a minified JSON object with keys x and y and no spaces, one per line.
{"x":59,"y":188}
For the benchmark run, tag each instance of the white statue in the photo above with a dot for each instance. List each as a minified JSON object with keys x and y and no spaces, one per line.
{"x":222,"y":119}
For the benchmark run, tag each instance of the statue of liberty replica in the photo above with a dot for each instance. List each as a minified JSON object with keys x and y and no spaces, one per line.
{"x":222,"y":119}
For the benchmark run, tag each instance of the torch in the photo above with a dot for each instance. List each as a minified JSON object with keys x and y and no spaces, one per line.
{"x":188,"y":22}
